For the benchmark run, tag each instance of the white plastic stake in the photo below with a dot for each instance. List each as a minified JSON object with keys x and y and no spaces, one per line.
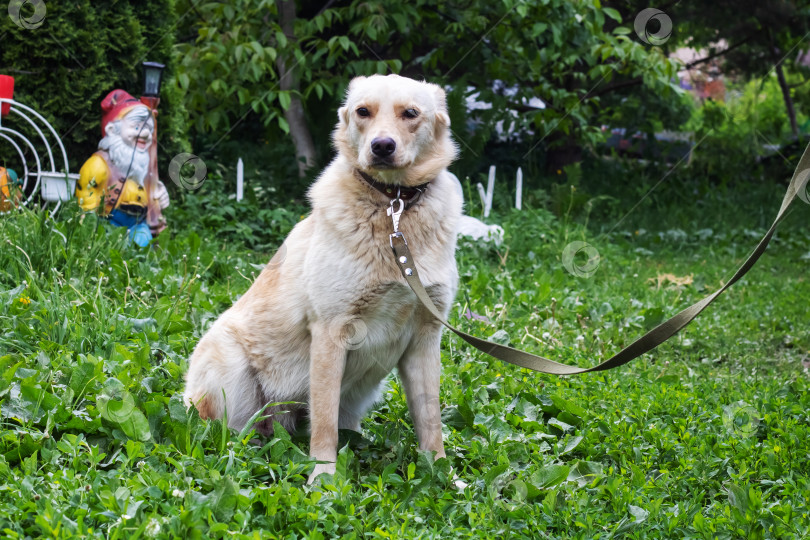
{"x":519,"y":192}
{"x":490,"y":190}
{"x":240,"y":180}
{"x":482,"y":194}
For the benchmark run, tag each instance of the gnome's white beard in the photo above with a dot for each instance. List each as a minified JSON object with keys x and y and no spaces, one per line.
{"x":121,"y":156}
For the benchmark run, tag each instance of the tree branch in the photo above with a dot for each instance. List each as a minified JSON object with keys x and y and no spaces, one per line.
{"x":615,"y":86}
{"x":325,"y":7}
{"x":690,"y":65}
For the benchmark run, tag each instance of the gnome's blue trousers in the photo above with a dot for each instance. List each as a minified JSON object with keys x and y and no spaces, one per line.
{"x":139,"y":231}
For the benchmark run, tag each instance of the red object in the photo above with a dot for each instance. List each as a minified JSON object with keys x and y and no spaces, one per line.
{"x":151,"y":102}
{"x":116,"y":105}
{"x":6,"y":92}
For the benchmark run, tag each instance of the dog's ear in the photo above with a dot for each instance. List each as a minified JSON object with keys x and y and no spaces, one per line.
{"x":343,"y":115}
{"x":441,"y":105}
{"x":354,"y":82}
{"x":343,"y":112}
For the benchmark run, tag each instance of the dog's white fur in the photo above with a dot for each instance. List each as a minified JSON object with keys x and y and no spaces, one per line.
{"x":330,"y":316}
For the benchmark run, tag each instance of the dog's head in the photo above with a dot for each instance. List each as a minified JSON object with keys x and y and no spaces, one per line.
{"x":395,"y":128}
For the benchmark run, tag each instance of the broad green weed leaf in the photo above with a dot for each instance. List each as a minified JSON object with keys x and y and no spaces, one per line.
{"x":224,"y":499}
{"x":638,"y":513}
{"x":584,"y":472}
{"x":550,"y":476}
{"x":80,"y":377}
{"x":737,"y":497}
{"x":571,"y":444}
{"x":344,"y":459}
{"x":177,"y":409}
{"x":136,"y":426}
{"x":562,"y":426}
{"x":568,"y":406}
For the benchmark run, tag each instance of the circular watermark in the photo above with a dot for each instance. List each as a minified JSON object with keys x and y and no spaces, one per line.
{"x":507,"y":491}
{"x":349,"y":333}
{"x":580,"y":259}
{"x":279,"y":258}
{"x":180,"y":171}
{"x":803,"y":179}
{"x":114,"y":402}
{"x":741,"y":419}
{"x":428,"y":414}
{"x":33,"y":20}
{"x":642,"y":26}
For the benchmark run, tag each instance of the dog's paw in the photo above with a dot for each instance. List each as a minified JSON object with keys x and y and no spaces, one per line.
{"x":321,"y":468}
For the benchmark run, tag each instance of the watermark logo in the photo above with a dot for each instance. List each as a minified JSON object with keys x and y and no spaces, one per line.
{"x":350,"y":334}
{"x":507,"y":491}
{"x":428,"y":414}
{"x":741,"y":419}
{"x":645,"y":23}
{"x":803,"y":179}
{"x":279,"y":258}
{"x":115,"y":403}
{"x":20,"y":13}
{"x":188,"y":171}
{"x":580,"y":259}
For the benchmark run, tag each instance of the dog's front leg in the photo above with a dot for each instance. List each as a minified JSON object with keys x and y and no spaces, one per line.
{"x":327,"y":361}
{"x":420,"y":370}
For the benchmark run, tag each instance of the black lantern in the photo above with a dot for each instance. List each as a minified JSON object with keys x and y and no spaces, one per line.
{"x":152,"y":73}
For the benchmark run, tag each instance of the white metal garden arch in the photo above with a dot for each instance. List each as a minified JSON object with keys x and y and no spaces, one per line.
{"x":54,"y":186}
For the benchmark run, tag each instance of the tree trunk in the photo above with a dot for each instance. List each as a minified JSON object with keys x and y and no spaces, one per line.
{"x":780,"y":75}
{"x":563,"y":151}
{"x":304,"y":147}
{"x":788,"y":100}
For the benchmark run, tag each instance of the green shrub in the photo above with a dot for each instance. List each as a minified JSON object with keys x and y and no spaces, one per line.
{"x":82,"y":51}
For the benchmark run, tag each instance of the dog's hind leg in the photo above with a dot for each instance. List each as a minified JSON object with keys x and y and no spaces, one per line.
{"x":221,"y":381}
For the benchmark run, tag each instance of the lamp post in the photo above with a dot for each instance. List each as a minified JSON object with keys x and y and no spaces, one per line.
{"x":152,"y":77}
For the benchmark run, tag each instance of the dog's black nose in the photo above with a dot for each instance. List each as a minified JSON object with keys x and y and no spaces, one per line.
{"x":383,"y":147}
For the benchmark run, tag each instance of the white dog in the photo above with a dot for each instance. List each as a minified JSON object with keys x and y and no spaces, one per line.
{"x":330,"y":316}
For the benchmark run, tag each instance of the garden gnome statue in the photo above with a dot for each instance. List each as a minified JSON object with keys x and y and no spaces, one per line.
{"x":119,"y":181}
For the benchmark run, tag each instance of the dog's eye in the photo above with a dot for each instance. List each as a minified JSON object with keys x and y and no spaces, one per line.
{"x":362,"y":111}
{"x":410,"y":113}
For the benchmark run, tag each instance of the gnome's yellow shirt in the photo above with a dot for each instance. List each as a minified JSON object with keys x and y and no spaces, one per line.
{"x":99,"y":180}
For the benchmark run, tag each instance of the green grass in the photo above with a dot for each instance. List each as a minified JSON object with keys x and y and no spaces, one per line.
{"x":706,"y":437}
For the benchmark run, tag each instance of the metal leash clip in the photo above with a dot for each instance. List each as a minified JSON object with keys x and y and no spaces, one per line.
{"x":396,"y":214}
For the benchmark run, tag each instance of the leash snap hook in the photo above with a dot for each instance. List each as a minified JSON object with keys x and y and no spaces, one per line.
{"x":396,"y":213}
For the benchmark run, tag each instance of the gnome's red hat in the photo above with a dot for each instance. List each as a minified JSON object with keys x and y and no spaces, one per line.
{"x":117,"y":104}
